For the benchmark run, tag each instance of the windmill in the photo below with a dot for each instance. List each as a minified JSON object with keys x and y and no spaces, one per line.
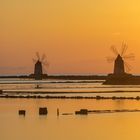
{"x":121,"y":66}
{"x":40,"y":64}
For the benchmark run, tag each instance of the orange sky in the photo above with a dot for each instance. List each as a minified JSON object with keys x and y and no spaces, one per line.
{"x":76,"y":35}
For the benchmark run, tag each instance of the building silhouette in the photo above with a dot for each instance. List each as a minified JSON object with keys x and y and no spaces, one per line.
{"x":119,"y":68}
{"x":38,"y":72}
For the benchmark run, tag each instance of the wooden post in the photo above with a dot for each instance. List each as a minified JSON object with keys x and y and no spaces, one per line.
{"x":57,"y":111}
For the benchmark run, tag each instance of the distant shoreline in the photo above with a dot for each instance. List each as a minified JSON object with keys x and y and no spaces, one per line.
{"x":110,"y":79}
{"x":62,"y":77}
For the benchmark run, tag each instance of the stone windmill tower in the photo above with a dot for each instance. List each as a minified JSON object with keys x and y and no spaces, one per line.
{"x":40,"y":64}
{"x":38,"y":70}
{"x":121,"y":65}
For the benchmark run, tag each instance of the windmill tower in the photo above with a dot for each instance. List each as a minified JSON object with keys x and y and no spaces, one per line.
{"x":38,"y":72}
{"x":121,"y":65}
{"x":39,"y":67}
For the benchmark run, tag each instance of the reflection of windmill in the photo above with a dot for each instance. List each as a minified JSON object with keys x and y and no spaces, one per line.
{"x":40,"y":64}
{"x":121,"y":65}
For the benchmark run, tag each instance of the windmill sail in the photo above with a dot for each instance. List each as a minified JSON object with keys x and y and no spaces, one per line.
{"x":40,"y":63}
{"x":120,"y":75}
{"x":120,"y":66}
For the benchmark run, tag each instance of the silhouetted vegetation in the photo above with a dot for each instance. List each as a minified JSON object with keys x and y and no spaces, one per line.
{"x":69,"y":97}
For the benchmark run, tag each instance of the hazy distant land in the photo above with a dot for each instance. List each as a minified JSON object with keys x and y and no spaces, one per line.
{"x":62,"y":77}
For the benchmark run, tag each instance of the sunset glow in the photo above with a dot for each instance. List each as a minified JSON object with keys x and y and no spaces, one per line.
{"x":75,"y":35}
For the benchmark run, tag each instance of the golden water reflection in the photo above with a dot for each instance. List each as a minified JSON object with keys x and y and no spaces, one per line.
{"x":115,"y":126}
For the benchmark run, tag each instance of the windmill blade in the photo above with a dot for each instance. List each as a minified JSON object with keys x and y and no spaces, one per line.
{"x":43,"y":57}
{"x":110,"y":59}
{"x":124,"y":49}
{"x":38,"y":56}
{"x":127,"y":67}
{"x":34,"y":60}
{"x":129,"y":57}
{"x":44,"y":70}
{"x":46,"y":64}
{"x":114,"y":50}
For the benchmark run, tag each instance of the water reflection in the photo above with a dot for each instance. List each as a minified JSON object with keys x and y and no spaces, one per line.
{"x":95,"y":126}
{"x":115,"y":126}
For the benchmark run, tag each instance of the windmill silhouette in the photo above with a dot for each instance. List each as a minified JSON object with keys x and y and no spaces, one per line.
{"x":121,"y":66}
{"x":40,"y":64}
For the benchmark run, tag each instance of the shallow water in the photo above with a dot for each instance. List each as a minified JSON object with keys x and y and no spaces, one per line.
{"x":94,"y":126}
{"x":71,"y":87}
{"x":109,"y":126}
